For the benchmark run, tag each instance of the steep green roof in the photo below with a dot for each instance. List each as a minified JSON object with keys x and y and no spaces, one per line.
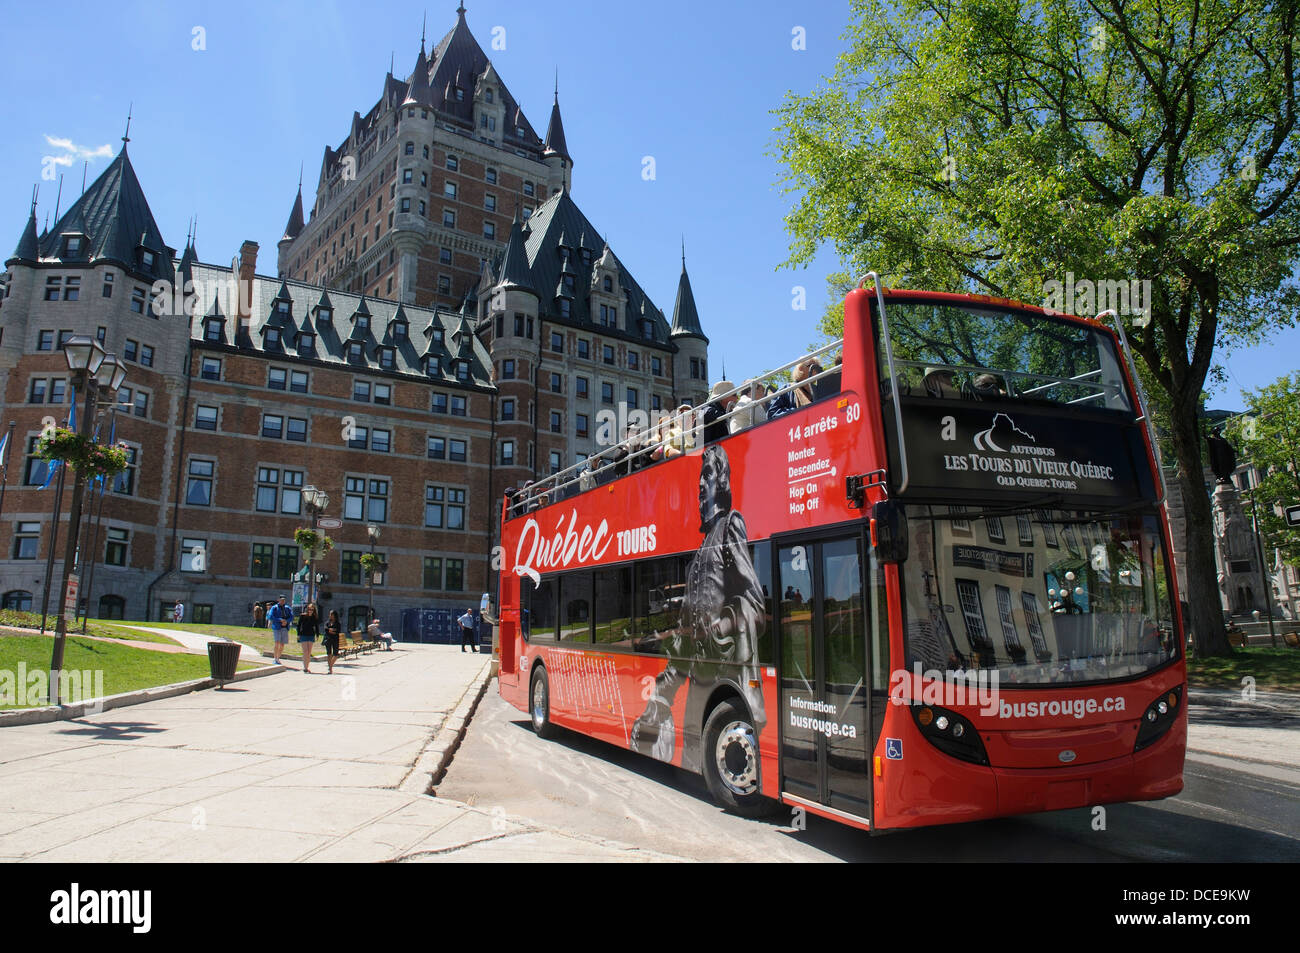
{"x":686,"y":319}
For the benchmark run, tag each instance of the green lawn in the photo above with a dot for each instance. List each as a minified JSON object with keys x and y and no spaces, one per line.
{"x":114,"y":668}
{"x":260,"y":639}
{"x":104,"y":628}
{"x":1274,"y":670}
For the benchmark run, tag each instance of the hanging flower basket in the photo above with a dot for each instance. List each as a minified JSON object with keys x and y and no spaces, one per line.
{"x":82,"y":453}
{"x":315,"y":545}
{"x":369,"y":563}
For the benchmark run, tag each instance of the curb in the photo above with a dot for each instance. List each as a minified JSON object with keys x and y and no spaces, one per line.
{"x":437,"y":754}
{"x":48,"y":713}
{"x":1231,"y":698}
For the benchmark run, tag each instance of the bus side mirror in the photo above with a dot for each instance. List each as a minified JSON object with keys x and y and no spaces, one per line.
{"x":889,"y":530}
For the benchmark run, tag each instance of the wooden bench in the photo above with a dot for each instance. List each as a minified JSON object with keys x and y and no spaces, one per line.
{"x":1292,"y":639}
{"x":360,"y":645}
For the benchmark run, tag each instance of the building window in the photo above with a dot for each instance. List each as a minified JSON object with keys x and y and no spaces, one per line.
{"x":528,"y":188}
{"x":453,"y":163}
{"x":52,"y":288}
{"x":432,"y":572}
{"x":277,"y":378}
{"x":141,"y":404}
{"x":490,"y":202}
{"x":296,"y":430}
{"x":205,"y":418}
{"x":381,"y":440}
{"x":582,"y":425}
{"x":607,"y":354}
{"x":360,"y":438}
{"x":508,"y":409}
{"x":383,"y":393}
{"x":286,"y":561}
{"x":354,"y":351}
{"x":409,"y":149}
{"x":436,"y":448}
{"x":406,"y":205}
{"x":298,"y":382}
{"x":366,"y":500}
{"x":449,"y":189}
{"x":386,"y":357}
{"x":422,"y":211}
{"x":124,"y":483}
{"x":108,"y":284}
{"x":194,"y":555}
{"x":444,"y":284}
{"x":557,"y":383}
{"x":45,"y":341}
{"x":566,"y":308}
{"x":555,"y":461}
{"x":439,"y":405}
{"x":146,"y":354}
{"x":263,"y":553}
{"x":27,"y":540}
{"x":361,"y":390}
{"x":36,"y":471}
{"x":581,"y":387}
{"x":606,"y":392}
{"x":458,"y":406}
{"x":115,"y":547}
{"x":455,"y":579}
{"x":557,"y":422}
{"x":272,"y":337}
{"x":272,"y":426}
{"x":212,"y":330}
{"x":633,"y":361}
{"x":198,"y":491}
{"x":656,"y":367}
{"x":557,"y":342}
{"x":507,"y":453}
{"x":508,"y":369}
{"x":448,"y":218}
{"x":350,"y":568}
{"x":458,"y":451}
{"x":490,"y":230}
{"x":137,"y":300}
{"x":444,"y":507}
{"x":491,"y":176}
{"x":130,"y":350}
{"x":633,"y":398}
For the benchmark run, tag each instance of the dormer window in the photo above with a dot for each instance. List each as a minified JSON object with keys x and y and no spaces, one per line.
{"x":282,"y":308}
{"x":586,"y":256}
{"x":306,"y":343}
{"x":363,"y":322}
{"x":568,"y":283}
{"x":324,"y":314}
{"x":272,"y":338}
{"x":564,"y":307}
{"x":399,"y":331}
{"x":489,"y":96}
{"x":72,"y":247}
{"x":437,"y":336}
{"x":431,"y":366}
{"x":609,"y":283}
{"x":386,"y":358}
{"x":354,"y":351}
{"x":462,"y":370}
{"x":146,"y":259}
{"x":212,"y":332}
{"x":460,"y":95}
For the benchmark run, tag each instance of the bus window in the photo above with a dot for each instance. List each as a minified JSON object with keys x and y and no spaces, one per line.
{"x":760,"y":554}
{"x":615,"y":625}
{"x":538,"y":618}
{"x":660,"y":587}
{"x":575,"y":593}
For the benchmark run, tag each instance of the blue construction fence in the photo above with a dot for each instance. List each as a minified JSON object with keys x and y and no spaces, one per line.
{"x":439,"y":626}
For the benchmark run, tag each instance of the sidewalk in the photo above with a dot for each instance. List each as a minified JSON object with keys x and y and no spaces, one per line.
{"x":197,"y":643}
{"x":292,"y":768}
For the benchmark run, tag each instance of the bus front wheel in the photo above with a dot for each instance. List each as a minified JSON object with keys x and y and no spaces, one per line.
{"x":731,"y":761}
{"x":539,"y":704}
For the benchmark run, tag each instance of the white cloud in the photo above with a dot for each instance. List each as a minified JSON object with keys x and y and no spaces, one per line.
{"x":72,"y":152}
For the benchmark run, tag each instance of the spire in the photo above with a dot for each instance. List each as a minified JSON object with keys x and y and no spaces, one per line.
{"x":555,"y":144}
{"x":514,"y":263}
{"x":29,"y":246}
{"x":126,"y":136}
{"x":420,"y":94}
{"x":686,"y":319}
{"x":295,"y":225}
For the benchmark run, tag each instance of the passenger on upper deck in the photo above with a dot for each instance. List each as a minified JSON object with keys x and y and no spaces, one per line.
{"x":722,"y":400}
{"x":747,"y":409}
{"x":988,"y":387}
{"x":939,"y":382}
{"x":587,"y":475}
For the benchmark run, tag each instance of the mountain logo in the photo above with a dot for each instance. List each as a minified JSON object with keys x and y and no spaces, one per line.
{"x":1005,"y":430}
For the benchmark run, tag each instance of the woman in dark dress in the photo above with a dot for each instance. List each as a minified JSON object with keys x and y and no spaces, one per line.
{"x":308,"y":629}
{"x":333,"y":630}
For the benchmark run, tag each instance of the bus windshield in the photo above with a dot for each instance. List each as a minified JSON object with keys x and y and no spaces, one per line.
{"x":1042,"y":596}
{"x":944,"y":349}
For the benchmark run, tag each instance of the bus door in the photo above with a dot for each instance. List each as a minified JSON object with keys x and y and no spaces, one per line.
{"x":824,"y":674}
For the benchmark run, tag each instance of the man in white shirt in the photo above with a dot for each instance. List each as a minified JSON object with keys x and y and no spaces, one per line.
{"x":467,"y":631}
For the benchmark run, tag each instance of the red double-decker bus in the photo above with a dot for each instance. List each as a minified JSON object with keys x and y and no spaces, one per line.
{"x":938,"y":589}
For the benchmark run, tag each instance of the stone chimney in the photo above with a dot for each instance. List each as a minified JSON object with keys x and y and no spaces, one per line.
{"x":247,"y":271}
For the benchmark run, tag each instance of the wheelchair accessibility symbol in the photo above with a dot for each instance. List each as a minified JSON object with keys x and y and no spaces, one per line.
{"x":894,"y":749}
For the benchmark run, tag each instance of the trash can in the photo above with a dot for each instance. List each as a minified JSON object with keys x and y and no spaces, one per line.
{"x":223,"y":658}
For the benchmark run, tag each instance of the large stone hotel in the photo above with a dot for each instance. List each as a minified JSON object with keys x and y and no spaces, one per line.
{"x":444,"y":323}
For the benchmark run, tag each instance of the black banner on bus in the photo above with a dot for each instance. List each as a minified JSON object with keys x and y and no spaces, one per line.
{"x":1003,"y":450}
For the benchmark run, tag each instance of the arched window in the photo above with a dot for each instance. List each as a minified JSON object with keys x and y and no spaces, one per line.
{"x":18,"y":599}
{"x":112,"y":607}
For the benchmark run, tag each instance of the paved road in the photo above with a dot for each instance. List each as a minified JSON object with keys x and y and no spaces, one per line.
{"x":1230,"y":809}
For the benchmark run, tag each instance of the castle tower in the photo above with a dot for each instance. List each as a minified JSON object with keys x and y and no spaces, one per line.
{"x":690,"y":365}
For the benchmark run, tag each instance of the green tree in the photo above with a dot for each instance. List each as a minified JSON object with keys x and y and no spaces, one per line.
{"x":1269,"y":438}
{"x":998,"y":146}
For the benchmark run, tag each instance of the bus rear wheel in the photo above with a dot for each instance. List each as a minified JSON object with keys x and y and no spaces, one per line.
{"x":731,"y":761}
{"x":539,"y":704}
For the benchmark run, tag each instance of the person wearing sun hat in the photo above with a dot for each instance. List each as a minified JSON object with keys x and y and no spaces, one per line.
{"x":721,"y":400}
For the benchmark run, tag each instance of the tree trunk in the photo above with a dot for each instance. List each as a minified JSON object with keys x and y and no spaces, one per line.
{"x":1204,"y":618}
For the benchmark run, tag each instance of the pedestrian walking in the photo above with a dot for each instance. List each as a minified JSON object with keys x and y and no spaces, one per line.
{"x":259,"y":615}
{"x":467,"y":631}
{"x":333,"y":632}
{"x":308,"y":629}
{"x":279,"y":618}
{"x":178,"y":612}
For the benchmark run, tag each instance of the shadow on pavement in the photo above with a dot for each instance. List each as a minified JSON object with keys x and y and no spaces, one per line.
{"x":111,"y":731}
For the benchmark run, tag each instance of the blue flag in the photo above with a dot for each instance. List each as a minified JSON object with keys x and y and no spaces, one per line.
{"x":4,"y":449}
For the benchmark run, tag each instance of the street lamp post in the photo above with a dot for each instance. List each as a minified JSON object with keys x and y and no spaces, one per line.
{"x":315,"y":500}
{"x":372,"y":531}
{"x":92,"y":369}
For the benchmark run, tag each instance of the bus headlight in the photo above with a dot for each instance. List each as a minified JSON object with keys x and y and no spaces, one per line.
{"x":1158,"y":717}
{"x":950,"y":733}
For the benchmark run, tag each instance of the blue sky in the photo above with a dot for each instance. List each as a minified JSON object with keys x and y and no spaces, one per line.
{"x":220,"y":132}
